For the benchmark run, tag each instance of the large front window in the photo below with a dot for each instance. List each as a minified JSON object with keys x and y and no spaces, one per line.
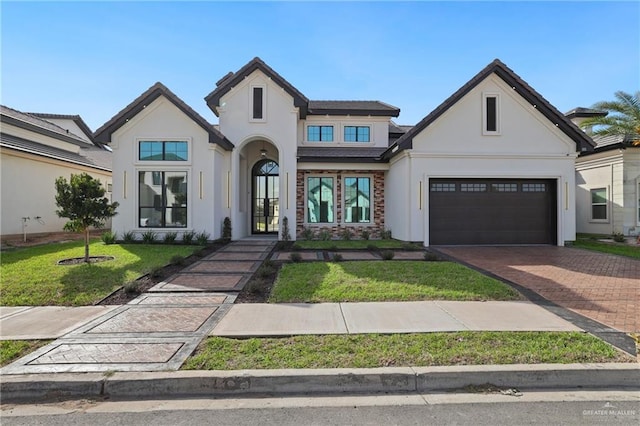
{"x":357,"y":199}
{"x":162,"y":199}
{"x":356,"y":134}
{"x":320,"y":200}
{"x":599,"y":204}
{"x":163,"y":151}
{"x":320,"y":133}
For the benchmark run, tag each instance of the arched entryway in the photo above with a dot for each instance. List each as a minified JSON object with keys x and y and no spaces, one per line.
{"x":265,"y":197}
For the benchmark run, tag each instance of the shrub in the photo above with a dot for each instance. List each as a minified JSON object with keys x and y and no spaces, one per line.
{"x":430,"y":257}
{"x":200,"y":253}
{"x":149,"y":236}
{"x":109,"y":237}
{"x":286,"y":235}
{"x":188,"y":236}
{"x":337,"y":257}
{"x":307,"y":233}
{"x":346,"y":234}
{"x":385,"y":234}
{"x":226,"y":229}
{"x":409,"y":247}
{"x":295,"y":257}
{"x":265,"y":271}
{"x":365,"y":234}
{"x":131,"y":287}
{"x":177,"y":260}
{"x":372,"y":247}
{"x":202,"y":238}
{"x":170,"y":237}
{"x":156,"y":272}
{"x":387,"y":254}
{"x":325,"y":235}
{"x":255,"y":285}
{"x":618,"y":237}
{"x":129,"y":237}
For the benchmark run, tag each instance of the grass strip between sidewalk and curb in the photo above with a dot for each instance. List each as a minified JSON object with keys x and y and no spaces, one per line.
{"x":32,"y":277}
{"x":374,"y":281}
{"x":10,"y":350}
{"x":402,"y":350}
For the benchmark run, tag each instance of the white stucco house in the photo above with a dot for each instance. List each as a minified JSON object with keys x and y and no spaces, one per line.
{"x":493,"y":164}
{"x":36,"y":149}
{"x":608,"y":183}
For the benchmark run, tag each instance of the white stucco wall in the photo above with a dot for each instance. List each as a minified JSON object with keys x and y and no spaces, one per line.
{"x":28,"y":190}
{"x":206,"y":168}
{"x":379,"y":130}
{"x":40,"y":138}
{"x":277,"y":132}
{"x":529,"y":146}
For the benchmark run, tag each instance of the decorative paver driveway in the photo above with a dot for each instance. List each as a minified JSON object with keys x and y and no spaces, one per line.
{"x":602,"y":287}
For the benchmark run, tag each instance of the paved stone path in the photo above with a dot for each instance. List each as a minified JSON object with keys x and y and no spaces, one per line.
{"x":600,"y":286}
{"x":158,"y":330}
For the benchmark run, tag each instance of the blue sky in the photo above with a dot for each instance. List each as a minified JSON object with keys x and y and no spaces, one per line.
{"x":93,"y":58}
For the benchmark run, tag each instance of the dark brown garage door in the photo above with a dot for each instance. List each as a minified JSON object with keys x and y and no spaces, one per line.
{"x":492,"y":211}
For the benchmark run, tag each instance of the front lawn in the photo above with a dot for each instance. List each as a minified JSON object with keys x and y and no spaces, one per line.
{"x":353,"y":244}
{"x":377,"y":281}
{"x":31,"y":276}
{"x":402,"y":350}
{"x":621,"y":249}
{"x":10,"y":350}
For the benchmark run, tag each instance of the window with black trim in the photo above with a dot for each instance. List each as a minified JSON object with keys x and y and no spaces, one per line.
{"x":356,"y":134}
{"x":320,"y":133}
{"x":320,"y":199}
{"x":599,"y":204}
{"x":357,"y":199}
{"x":162,"y":199}
{"x":163,"y":151}
{"x":490,"y":114}
{"x":258,"y":95}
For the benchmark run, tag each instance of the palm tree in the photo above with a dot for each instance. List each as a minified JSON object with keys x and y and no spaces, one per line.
{"x":623,"y":118}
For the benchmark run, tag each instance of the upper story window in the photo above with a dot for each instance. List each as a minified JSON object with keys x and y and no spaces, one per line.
{"x":258,"y":103}
{"x":490,"y":114}
{"x":163,"y":151}
{"x":599,"y":204}
{"x":356,"y":134}
{"x":320,"y":133}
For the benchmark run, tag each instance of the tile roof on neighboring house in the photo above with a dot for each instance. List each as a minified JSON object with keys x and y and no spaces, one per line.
{"x":36,"y":124}
{"x":93,"y":157}
{"x":103,"y":134}
{"x":357,"y":108}
{"x":340,"y":155}
{"x":229,"y":81}
{"x":581,"y":112}
{"x":582,"y":140}
{"x":73,"y":117}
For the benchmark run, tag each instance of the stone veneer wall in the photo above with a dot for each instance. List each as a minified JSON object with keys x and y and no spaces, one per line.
{"x":338,"y":227}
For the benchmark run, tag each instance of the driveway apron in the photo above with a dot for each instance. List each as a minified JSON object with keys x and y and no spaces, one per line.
{"x":158,"y":330}
{"x":603,"y":287}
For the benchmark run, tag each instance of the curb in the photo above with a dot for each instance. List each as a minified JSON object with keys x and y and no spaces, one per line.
{"x":125,"y":385}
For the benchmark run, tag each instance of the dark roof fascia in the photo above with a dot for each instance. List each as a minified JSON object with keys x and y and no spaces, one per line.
{"x":354,"y":112}
{"x":227,"y":82}
{"x":359,"y":160}
{"x":605,"y":148}
{"x":32,"y":127}
{"x":581,"y":112}
{"x":515,"y":82}
{"x":103,"y":134}
{"x":343,"y":108}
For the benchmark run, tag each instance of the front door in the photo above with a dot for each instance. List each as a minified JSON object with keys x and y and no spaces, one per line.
{"x":265,"y":203}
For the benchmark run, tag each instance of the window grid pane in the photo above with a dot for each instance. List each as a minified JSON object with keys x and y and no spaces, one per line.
{"x":356,"y":134}
{"x":443,"y":187}
{"x":163,"y":151}
{"x":357,"y":200}
{"x":504,"y":187}
{"x":473,"y":187}
{"x":599,"y":204}
{"x":162,"y":199}
{"x":534,"y":187}
{"x":320,"y":194}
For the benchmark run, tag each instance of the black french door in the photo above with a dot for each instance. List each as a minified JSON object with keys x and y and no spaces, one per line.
{"x":265,"y":201}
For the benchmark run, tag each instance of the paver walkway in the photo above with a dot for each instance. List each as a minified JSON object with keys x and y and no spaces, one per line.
{"x":158,"y":330}
{"x":603,"y":287}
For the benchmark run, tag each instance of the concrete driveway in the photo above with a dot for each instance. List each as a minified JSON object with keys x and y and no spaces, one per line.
{"x":603,"y":287}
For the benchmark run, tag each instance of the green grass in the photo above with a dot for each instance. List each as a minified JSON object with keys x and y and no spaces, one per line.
{"x":31,"y":277}
{"x":385,"y":281}
{"x":401,"y":350}
{"x":351,"y":244}
{"x":611,"y":248}
{"x":10,"y":350}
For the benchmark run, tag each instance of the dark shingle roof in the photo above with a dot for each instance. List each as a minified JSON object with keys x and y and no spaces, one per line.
{"x":91,"y":156}
{"x":581,"y":112}
{"x":583,"y":142}
{"x":36,"y":124}
{"x":75,"y":118}
{"x":103,"y":134}
{"x":357,"y":108}
{"x":226,"y":83}
{"x":340,"y":154}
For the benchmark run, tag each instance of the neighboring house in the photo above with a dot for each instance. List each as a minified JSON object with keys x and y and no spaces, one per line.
{"x":608,"y":183}
{"x":493,"y":164}
{"x":36,"y":149}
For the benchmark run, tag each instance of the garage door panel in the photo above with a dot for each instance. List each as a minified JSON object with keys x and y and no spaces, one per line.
{"x":492,"y":211}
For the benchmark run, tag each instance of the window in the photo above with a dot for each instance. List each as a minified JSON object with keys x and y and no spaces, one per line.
{"x":443,"y":187}
{"x":473,"y":187}
{"x":504,"y":187}
{"x":357,"y":200}
{"x":599,"y":204}
{"x":491,"y":114}
{"x":320,"y":133}
{"x":257,"y":103}
{"x":320,"y":200}
{"x":162,"y":199}
{"x":638,"y":203}
{"x":163,"y":151}
{"x":356,"y":133}
{"x":534,"y":187}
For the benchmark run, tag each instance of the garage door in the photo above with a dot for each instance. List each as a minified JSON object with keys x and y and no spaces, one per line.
{"x":492,"y":211}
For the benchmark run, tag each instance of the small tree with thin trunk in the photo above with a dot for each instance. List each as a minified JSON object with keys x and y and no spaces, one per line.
{"x":82,"y":201}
